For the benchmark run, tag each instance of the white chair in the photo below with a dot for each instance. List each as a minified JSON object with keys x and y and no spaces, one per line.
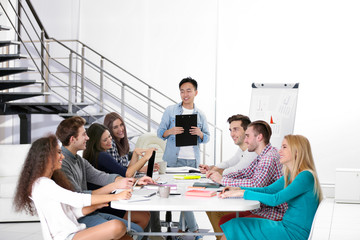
{"x":316,"y":217}
{"x":149,"y":140}
{"x":12,"y":158}
{"x":44,"y":225}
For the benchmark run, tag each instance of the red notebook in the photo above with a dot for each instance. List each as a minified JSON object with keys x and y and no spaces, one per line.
{"x":200,"y":193}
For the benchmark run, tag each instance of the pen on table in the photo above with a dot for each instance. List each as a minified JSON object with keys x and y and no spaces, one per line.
{"x":135,"y":184}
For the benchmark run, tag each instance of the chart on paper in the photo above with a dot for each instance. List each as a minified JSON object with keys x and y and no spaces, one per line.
{"x":275,"y":104}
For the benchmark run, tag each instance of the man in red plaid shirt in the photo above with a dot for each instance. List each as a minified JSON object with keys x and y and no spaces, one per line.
{"x":263,"y":171}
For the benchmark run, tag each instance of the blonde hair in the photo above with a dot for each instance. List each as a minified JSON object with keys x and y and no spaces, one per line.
{"x":303,"y":160}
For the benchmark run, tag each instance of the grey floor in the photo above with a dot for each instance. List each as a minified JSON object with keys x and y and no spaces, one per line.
{"x":336,"y":221}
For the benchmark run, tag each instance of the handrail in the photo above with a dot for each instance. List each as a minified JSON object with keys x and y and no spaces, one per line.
{"x":32,"y":9}
{"x":116,"y":65}
{"x":110,"y":61}
{"x":18,"y":34}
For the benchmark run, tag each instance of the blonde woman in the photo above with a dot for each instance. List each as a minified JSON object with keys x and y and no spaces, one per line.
{"x":299,"y":187}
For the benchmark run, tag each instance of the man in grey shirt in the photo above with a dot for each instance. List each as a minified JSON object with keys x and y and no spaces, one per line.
{"x":72,"y":134}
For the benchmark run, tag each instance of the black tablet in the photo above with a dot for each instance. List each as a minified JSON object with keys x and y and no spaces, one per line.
{"x":151,"y":162}
{"x":186,"y":121}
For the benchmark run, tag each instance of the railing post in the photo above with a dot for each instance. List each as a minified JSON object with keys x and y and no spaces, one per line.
{"x":102,"y":85}
{"x":149,"y":109}
{"x":46,"y":74}
{"x":70,"y":84}
{"x":123,"y":101}
{"x":18,"y":36}
{"x":82,"y":73}
{"x":42,"y":54}
{"x":7,"y":64}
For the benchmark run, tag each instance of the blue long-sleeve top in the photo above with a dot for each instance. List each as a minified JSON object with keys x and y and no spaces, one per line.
{"x":108,"y":164}
{"x":301,"y":198}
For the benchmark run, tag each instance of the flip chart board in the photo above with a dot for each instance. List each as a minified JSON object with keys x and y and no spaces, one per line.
{"x":276,"y":104}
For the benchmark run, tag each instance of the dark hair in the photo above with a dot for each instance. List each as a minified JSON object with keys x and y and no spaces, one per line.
{"x":262,"y":127}
{"x":245,"y":120}
{"x":122,"y":145}
{"x":93,"y":145}
{"x":42,"y":151}
{"x":189,"y":80}
{"x":69,"y":128}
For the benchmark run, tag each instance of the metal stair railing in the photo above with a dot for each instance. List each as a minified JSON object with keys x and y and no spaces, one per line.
{"x":76,"y":73}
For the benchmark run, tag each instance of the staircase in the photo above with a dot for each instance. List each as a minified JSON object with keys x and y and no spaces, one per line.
{"x":10,"y":103}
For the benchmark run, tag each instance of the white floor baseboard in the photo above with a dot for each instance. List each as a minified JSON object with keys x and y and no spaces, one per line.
{"x":328,"y":190}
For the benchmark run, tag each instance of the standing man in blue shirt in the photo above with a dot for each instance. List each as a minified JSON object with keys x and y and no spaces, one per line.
{"x":188,"y":155}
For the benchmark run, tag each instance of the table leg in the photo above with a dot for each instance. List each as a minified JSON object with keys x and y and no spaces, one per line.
{"x":182,"y":221}
{"x":129,"y":221}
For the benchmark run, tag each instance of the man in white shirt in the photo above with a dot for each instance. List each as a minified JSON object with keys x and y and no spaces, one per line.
{"x":241,"y":159}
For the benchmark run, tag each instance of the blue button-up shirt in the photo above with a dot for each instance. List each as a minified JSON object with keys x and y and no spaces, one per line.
{"x":168,"y":121}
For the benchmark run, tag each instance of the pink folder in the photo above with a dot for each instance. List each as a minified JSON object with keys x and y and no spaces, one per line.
{"x":200,"y":193}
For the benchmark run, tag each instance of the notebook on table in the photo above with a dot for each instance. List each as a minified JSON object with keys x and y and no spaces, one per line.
{"x":135,"y":197}
{"x":207,"y":184}
{"x":200,"y":193}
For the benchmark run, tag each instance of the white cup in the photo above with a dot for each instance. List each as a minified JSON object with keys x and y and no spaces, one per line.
{"x":162,"y":167}
{"x":164,"y":191}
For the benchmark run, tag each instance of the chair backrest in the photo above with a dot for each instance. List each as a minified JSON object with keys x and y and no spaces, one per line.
{"x":44,"y":225}
{"x":12,"y":157}
{"x":149,"y":140}
{"x":316,"y":217}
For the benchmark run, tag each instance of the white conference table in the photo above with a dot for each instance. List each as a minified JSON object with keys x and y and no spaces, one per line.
{"x":185,"y":203}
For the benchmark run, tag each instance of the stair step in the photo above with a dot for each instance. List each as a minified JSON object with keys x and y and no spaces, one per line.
{"x":2,"y":27}
{"x":7,"y":84}
{"x":8,"y":57}
{"x":13,"y":70}
{"x":88,"y":118}
{"x":11,"y":96}
{"x":8,"y":43}
{"x":35,"y":108}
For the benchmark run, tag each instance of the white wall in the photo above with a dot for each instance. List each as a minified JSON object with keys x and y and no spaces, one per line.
{"x":311,"y":42}
{"x":315,"y":43}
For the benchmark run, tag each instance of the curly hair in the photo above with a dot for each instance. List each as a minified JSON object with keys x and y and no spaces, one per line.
{"x":122,"y":145}
{"x":42,"y":152}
